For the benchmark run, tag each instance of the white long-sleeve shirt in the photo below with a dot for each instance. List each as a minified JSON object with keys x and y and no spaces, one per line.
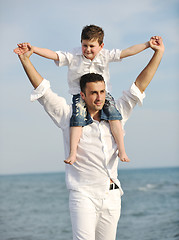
{"x":97,"y":159}
{"x":78,"y":65}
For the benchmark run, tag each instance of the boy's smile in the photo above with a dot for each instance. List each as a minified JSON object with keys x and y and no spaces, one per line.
{"x":90,"y":48}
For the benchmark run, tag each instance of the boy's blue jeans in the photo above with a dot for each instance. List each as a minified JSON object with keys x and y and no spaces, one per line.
{"x":81,"y":116}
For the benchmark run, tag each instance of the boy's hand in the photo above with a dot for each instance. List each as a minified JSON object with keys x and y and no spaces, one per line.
{"x":22,"y":48}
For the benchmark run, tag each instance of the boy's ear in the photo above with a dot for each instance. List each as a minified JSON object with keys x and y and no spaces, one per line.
{"x":102,"y":45}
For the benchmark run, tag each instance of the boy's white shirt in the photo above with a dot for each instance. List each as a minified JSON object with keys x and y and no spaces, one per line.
{"x":78,"y":65}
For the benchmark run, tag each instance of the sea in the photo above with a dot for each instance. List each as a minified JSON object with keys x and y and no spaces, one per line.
{"x":35,"y":206}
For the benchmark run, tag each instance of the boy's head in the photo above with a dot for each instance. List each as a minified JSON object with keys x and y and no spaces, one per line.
{"x":92,"y":32}
{"x":92,"y":41}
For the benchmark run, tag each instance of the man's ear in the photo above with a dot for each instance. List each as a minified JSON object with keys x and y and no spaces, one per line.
{"x":82,"y":95}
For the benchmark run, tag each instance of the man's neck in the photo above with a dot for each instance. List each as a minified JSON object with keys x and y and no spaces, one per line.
{"x":96,"y":116}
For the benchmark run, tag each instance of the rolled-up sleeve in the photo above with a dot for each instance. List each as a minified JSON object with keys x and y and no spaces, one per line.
{"x":40,"y":90}
{"x":114,"y":55}
{"x":128,"y":101}
{"x":64,"y":58}
{"x":56,"y":107}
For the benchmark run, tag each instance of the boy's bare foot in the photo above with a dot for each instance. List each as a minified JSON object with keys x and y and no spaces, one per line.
{"x":70,"y":160}
{"x":123,"y":157}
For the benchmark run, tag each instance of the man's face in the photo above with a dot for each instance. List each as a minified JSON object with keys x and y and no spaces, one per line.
{"x":90,"y":48}
{"x":94,"y":96}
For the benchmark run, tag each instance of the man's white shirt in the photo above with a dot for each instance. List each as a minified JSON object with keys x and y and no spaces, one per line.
{"x":97,"y":159}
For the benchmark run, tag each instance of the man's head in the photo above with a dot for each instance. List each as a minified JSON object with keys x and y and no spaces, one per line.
{"x":92,"y":41}
{"x":93,"y":91}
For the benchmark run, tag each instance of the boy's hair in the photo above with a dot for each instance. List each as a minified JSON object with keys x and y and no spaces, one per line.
{"x":92,"y":32}
{"x":90,"y":77}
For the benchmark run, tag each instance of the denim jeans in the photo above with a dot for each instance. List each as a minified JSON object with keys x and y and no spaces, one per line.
{"x":81,"y":116}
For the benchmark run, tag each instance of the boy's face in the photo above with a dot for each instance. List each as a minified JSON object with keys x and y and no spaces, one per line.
{"x":90,"y":48}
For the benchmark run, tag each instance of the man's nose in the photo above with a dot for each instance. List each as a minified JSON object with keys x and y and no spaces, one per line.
{"x":99,"y":96}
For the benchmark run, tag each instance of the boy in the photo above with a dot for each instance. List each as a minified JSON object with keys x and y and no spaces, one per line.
{"x":90,"y":58}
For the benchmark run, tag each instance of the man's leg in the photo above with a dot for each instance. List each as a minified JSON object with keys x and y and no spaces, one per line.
{"x":109,"y":216}
{"x":83,"y":216}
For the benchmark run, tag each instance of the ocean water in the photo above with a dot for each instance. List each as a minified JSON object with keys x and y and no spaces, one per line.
{"x":35,"y":206}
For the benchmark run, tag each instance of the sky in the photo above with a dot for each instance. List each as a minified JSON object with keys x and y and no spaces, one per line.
{"x":29,"y":140}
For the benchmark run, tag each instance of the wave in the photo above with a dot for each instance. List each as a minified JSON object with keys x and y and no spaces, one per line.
{"x":148,"y":187}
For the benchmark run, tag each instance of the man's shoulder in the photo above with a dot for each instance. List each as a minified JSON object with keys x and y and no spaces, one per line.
{"x":56,"y":107}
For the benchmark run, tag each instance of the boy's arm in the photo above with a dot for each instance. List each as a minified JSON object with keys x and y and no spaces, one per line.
{"x":43,"y":52}
{"x":134,"y":49}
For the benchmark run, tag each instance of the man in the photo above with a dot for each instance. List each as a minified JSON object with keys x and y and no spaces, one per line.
{"x":95,"y":191}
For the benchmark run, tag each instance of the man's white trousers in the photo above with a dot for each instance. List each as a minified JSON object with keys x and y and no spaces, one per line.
{"x":95,"y":219}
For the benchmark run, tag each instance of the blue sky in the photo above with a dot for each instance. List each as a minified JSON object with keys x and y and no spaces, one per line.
{"x":30,"y":142}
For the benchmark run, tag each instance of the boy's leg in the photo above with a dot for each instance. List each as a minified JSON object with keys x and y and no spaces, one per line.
{"x":111,"y":114}
{"x":117,"y":133}
{"x":75,"y":134}
{"x":80,"y":117}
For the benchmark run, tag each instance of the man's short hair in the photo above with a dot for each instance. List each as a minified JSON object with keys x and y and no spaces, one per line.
{"x":90,"y":77}
{"x":92,"y":32}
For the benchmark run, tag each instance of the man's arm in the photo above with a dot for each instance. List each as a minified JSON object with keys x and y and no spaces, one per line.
{"x":136,"y":93}
{"x":56,"y":107}
{"x":34,"y":77}
{"x":147,"y":74}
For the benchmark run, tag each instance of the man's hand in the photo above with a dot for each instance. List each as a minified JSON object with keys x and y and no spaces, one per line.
{"x":156,"y":43}
{"x":24,"y":52}
{"x":22,"y":48}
